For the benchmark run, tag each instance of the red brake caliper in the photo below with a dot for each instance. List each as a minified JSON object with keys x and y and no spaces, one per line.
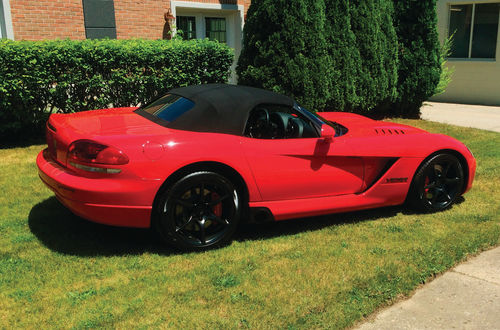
{"x":427,"y":194}
{"x":217,"y":209}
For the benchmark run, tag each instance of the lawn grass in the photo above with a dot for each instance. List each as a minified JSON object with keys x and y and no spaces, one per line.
{"x":57,"y":270}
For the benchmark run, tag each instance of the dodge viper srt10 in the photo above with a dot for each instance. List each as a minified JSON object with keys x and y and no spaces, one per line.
{"x":199,"y":160}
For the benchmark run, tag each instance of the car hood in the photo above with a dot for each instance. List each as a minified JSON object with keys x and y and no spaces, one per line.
{"x":358,"y":125}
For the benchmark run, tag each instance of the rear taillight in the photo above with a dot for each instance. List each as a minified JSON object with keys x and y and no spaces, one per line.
{"x":83,"y":154}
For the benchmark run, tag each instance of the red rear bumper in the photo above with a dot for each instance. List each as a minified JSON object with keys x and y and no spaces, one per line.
{"x":109,"y":201}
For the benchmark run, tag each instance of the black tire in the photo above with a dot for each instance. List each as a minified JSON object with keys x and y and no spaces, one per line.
{"x":437,"y":183}
{"x":200,"y":211}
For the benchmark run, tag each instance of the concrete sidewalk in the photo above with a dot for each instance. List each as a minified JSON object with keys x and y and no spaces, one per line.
{"x":466,"y":297}
{"x":477,"y":116}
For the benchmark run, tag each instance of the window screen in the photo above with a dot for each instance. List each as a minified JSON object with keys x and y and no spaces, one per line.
{"x":216,"y":28}
{"x":99,"y":17}
{"x":187,"y":24}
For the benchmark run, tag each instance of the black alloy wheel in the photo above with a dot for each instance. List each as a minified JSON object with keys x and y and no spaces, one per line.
{"x":199,"y":211}
{"x":438,"y":183}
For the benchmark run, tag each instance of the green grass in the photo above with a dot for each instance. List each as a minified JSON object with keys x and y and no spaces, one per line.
{"x":57,"y":270}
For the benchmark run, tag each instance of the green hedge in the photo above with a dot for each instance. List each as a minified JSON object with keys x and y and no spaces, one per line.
{"x":38,"y":78}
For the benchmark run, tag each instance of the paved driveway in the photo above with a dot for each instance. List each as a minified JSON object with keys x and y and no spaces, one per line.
{"x":477,"y":116}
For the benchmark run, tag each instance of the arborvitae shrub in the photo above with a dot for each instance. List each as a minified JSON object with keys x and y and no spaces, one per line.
{"x":345,"y":59}
{"x":285,"y":50}
{"x":419,"y":50}
{"x":382,"y":55}
{"x":362,"y":42}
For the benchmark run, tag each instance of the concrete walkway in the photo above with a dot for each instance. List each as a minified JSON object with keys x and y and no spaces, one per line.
{"x":466,"y":297}
{"x":477,"y":116}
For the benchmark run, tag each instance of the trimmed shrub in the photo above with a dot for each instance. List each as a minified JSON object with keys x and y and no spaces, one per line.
{"x":38,"y":78}
{"x":382,"y":55}
{"x":285,"y":50}
{"x":419,"y":54}
{"x":376,"y":42}
{"x":362,"y":46}
{"x":345,"y":59}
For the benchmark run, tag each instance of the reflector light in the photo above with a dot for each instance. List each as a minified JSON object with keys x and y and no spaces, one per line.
{"x":95,"y":169}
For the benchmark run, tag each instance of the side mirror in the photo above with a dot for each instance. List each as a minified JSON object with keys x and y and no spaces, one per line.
{"x":327,"y":132}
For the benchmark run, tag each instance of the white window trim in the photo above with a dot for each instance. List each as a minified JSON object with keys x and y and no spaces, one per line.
{"x":469,"y":57}
{"x":8,"y":19}
{"x":234,"y":15}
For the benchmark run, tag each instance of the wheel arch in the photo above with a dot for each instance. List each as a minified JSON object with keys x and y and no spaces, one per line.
{"x":453,"y":152}
{"x":212,"y":166}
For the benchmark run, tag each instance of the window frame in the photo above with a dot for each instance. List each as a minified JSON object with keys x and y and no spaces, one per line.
{"x":191,"y":35}
{"x":6,"y":30}
{"x":471,"y":33}
{"x":99,"y":30}
{"x":207,"y":19}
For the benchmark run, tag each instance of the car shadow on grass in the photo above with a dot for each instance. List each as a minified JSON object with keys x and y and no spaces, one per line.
{"x":295,"y":226}
{"x":62,"y":231}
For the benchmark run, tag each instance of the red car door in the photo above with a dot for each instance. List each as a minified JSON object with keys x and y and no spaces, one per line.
{"x":297,"y":168}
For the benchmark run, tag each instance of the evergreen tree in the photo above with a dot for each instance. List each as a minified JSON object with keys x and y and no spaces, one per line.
{"x":419,"y":66}
{"x":284,"y":50}
{"x":345,"y":59}
{"x":376,"y":41}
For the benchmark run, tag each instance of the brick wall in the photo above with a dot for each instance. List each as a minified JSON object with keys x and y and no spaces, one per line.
{"x":47,"y":19}
{"x":60,"y":19}
{"x":140,"y":18}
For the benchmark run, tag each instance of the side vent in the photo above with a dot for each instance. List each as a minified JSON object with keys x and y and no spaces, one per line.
{"x":51,"y":127}
{"x":389,"y":131}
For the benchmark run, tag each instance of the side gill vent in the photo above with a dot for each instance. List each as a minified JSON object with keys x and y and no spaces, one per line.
{"x":51,"y":127}
{"x":389,"y":131}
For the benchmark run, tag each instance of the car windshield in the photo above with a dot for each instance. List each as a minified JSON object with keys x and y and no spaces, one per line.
{"x":318,"y":121}
{"x":168,"y":107}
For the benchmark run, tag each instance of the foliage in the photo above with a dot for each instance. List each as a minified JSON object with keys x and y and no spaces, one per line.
{"x":419,"y":54}
{"x":285,"y":50}
{"x":446,"y":71}
{"x":345,"y":58}
{"x":60,"y":271}
{"x":37,"y":78}
{"x":381,"y":55}
{"x":376,"y":43}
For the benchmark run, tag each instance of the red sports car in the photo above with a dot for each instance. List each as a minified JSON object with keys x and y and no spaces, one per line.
{"x":199,"y":160}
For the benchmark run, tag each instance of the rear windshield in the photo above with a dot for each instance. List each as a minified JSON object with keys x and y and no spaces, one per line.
{"x":168,"y":107}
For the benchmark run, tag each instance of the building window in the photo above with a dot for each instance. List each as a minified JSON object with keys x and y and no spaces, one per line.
{"x":187,"y":24}
{"x":475,"y":30}
{"x":215,"y":28}
{"x":99,"y":17}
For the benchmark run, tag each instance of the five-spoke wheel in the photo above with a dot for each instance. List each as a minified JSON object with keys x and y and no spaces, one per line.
{"x":438,"y":183}
{"x":200,"y":210}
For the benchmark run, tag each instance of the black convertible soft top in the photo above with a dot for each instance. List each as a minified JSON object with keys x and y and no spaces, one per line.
{"x":221,"y":108}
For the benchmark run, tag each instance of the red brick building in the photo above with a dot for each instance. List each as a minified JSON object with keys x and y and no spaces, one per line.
{"x":122,"y":19}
